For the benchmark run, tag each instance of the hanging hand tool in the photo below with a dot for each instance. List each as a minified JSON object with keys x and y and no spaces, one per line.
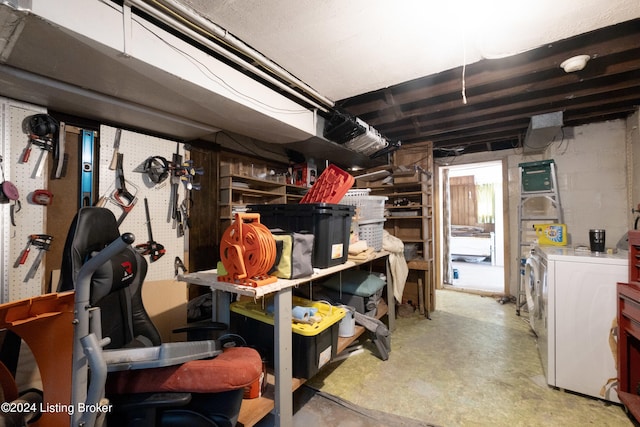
{"x":116,"y":148}
{"x":188,"y":173}
{"x":40,"y":241}
{"x":24,"y":254}
{"x":46,"y":145}
{"x":184,"y":209}
{"x":13,"y":210}
{"x":43,"y":132}
{"x":176,"y":161}
{"x":178,"y":264}
{"x":27,"y":152}
{"x":43,"y":243}
{"x":60,"y":156}
{"x":182,"y":218}
{"x":9,"y":194}
{"x":152,"y":248}
{"x":41,"y":197}
{"x":179,"y":223}
{"x":120,"y":196}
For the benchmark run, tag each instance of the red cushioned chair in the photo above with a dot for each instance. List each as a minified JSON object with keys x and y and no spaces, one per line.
{"x":147,"y":382}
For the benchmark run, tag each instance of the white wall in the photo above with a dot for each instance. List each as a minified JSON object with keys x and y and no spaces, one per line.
{"x":592,"y":178}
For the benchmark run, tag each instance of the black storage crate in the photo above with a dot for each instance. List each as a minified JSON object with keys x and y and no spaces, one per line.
{"x":329,"y":223}
{"x":310,"y":350}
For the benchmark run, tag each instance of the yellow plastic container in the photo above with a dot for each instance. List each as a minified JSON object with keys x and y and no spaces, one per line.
{"x":551,"y":234}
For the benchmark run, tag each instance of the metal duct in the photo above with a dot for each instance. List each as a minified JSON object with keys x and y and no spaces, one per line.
{"x":542,"y":131}
{"x":342,"y":127}
{"x":369,"y":142}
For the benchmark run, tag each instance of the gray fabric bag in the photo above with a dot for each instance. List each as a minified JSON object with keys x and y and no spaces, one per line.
{"x":294,"y":255}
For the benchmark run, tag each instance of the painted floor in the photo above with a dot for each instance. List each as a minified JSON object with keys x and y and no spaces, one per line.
{"x":475,"y":363}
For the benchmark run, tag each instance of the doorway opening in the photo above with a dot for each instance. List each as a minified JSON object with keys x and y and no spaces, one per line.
{"x":472,"y":236}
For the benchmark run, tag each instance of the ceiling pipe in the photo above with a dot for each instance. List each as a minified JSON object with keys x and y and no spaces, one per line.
{"x":207,"y":28}
{"x":37,"y":79}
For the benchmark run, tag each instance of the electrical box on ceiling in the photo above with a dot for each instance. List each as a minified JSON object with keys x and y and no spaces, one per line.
{"x":543,"y":129}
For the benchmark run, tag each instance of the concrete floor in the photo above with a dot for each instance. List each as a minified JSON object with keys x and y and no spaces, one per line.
{"x":474,"y":364}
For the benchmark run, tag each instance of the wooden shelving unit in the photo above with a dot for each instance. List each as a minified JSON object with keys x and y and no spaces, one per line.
{"x":237,"y":191}
{"x":409,"y":217}
{"x":295,"y":193}
{"x":245,"y":180}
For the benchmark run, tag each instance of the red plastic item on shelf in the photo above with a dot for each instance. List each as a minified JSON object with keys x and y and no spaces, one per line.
{"x":330,"y":187}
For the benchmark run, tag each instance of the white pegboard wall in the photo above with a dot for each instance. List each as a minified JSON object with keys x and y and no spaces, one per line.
{"x":136,"y":148}
{"x":30,"y":219}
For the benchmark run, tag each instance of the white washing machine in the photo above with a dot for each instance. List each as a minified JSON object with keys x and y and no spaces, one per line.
{"x":532,"y":281}
{"x":576,"y":308}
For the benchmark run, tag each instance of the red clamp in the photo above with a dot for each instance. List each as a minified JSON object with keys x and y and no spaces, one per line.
{"x":42,"y":197}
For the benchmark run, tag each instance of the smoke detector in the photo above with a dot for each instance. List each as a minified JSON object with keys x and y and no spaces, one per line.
{"x":575,"y":63}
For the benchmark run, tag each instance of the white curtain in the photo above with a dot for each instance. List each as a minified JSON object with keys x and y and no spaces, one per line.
{"x":486,"y":199}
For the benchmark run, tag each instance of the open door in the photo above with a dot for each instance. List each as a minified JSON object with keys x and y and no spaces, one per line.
{"x":473,"y":228}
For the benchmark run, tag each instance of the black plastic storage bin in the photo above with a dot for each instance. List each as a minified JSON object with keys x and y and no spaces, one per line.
{"x":313,"y":346}
{"x":329,"y":223}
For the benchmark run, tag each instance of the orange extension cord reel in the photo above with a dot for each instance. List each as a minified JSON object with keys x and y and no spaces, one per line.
{"x":247,"y":251}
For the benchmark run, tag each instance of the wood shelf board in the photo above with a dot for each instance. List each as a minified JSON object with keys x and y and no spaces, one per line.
{"x":405,"y":217}
{"x":259,"y":181}
{"x":253,"y":411}
{"x":408,"y":207}
{"x":418,"y":265}
{"x":210,"y":278}
{"x":254,"y":192}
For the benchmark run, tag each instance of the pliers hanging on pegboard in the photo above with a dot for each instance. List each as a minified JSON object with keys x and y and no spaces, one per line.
{"x":178,"y":264}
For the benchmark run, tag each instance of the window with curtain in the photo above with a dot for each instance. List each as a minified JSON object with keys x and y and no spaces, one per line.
{"x":485,"y":194}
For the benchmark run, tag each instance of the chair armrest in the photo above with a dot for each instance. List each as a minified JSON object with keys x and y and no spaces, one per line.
{"x":167,"y":354}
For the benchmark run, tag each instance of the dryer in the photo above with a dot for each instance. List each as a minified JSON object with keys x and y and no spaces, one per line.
{"x":577,"y":308}
{"x":532,"y":286}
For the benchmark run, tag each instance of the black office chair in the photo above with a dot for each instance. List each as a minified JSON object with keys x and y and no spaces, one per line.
{"x":148,"y":383}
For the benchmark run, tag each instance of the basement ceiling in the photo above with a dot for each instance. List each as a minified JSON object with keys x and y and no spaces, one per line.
{"x":467,"y":75}
{"x":504,"y":94}
{"x":402,"y":66}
